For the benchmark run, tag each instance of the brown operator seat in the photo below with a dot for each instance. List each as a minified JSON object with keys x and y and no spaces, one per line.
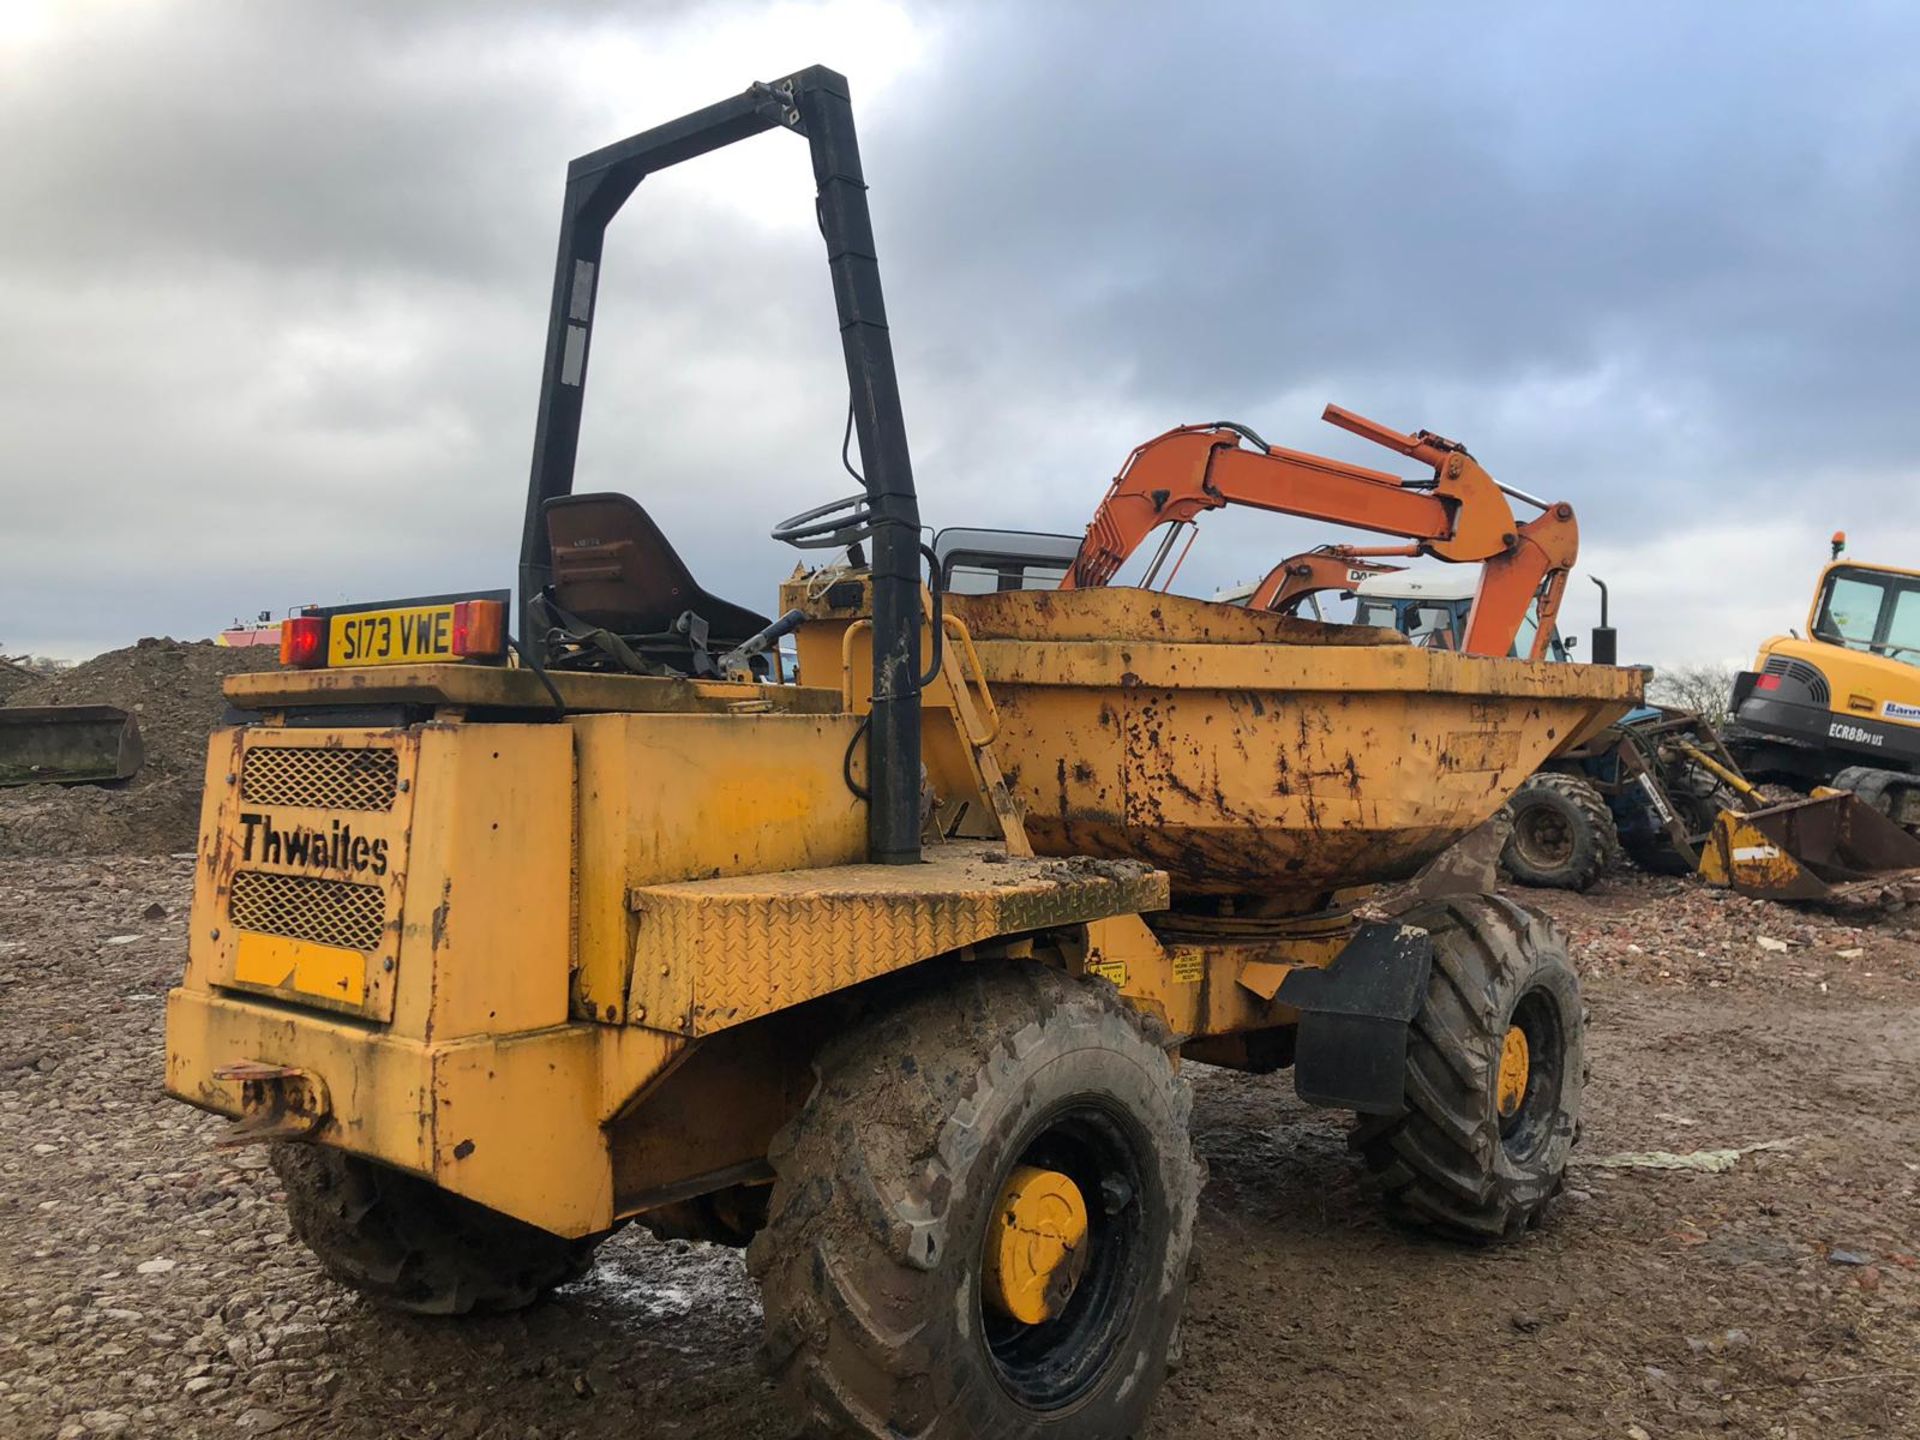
{"x":612,"y":567}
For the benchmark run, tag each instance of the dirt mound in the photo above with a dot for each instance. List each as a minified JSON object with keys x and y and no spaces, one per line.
{"x":174,"y":688}
{"x":13,"y":677}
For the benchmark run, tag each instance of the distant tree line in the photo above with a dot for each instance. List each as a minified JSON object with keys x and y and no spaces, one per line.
{"x":1704,"y":689}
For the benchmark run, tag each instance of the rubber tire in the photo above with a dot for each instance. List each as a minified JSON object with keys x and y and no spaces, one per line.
{"x":1596,"y":841}
{"x":1441,"y":1161}
{"x":408,"y":1245}
{"x":869,"y":1264}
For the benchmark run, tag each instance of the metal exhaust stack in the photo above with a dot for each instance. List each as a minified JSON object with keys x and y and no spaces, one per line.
{"x":1605,"y":648}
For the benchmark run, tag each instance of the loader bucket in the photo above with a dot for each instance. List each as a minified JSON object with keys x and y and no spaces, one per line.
{"x":1807,"y":849}
{"x":67,"y":744}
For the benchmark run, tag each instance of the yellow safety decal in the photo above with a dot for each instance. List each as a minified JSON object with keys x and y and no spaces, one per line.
{"x":277,"y":963}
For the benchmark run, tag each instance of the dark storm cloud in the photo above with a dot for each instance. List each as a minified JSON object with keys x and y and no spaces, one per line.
{"x":1452,"y":200}
{"x":1651,"y":259}
{"x":276,"y":300}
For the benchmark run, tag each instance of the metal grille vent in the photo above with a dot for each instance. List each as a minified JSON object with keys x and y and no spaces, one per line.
{"x":327,"y":912}
{"x":326,"y":779}
{"x":1801,"y":673}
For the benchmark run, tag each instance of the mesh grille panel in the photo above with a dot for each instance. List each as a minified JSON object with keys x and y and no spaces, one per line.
{"x":327,"y":779}
{"x":1802,"y":673}
{"x":328,"y":912}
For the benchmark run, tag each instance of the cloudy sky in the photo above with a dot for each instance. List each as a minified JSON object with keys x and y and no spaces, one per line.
{"x":273,"y":282}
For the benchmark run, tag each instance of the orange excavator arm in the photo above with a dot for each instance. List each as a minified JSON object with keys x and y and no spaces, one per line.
{"x":1459,"y":514}
{"x":1330,"y":567}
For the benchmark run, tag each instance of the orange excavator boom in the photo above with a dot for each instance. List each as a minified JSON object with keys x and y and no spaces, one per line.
{"x":1458,"y":514}
{"x":1314,"y":572}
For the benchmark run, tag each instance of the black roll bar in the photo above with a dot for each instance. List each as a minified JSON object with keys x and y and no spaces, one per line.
{"x":815,"y":103}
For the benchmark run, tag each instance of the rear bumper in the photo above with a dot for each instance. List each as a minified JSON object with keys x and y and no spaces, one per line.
{"x":1784,"y":719}
{"x":1875,"y":742}
{"x":514,"y":1121}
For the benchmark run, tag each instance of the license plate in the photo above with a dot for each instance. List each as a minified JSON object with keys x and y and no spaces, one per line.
{"x":404,"y":636}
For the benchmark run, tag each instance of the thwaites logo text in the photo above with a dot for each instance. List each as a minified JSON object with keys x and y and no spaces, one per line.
{"x":337,"y":848}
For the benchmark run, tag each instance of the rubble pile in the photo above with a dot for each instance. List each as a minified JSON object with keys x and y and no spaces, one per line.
{"x":1677,"y":931}
{"x":174,"y":688}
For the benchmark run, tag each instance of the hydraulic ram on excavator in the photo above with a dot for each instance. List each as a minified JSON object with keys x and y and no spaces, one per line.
{"x":1460,"y":514}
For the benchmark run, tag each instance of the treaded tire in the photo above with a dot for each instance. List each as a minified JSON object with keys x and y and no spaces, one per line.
{"x":410,"y":1245}
{"x":1568,"y":808}
{"x":870,"y":1263}
{"x":1444,"y":1162}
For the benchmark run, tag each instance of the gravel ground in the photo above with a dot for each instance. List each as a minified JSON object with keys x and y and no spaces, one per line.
{"x":151,"y":1288}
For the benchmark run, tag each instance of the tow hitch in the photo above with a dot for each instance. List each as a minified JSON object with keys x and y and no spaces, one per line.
{"x":277,"y":1102}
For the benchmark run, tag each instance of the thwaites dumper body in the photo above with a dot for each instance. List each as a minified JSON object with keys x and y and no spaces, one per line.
{"x":890,"y":971}
{"x":493,"y":948}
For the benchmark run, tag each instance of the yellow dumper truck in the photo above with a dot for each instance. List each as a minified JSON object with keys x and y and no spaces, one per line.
{"x":511,"y":925}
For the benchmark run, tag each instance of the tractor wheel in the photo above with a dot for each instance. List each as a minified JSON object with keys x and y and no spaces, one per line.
{"x":1495,"y":1069}
{"x":410,"y":1245}
{"x":1563,"y":834}
{"x":981,"y":1218}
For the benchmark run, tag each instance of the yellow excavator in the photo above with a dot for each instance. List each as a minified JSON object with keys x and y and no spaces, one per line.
{"x":1842,"y":706}
{"x":1836,"y":713}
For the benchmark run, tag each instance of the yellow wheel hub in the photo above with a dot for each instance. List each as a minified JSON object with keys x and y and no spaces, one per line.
{"x":1036,"y":1245}
{"x":1515,"y":1063}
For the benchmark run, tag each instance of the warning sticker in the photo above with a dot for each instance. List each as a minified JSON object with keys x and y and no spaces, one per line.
{"x":1113,"y":970}
{"x":1188,"y":967}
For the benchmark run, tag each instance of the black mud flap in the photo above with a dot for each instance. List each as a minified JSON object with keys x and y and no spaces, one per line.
{"x":1351,"y":1052}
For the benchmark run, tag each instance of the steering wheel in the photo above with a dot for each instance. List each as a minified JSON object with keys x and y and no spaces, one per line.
{"x":832,"y":526}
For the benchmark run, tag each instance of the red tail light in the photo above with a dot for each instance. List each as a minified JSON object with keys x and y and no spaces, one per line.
{"x":303,"y":641}
{"x":1766,"y":682}
{"x":479,"y":628}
